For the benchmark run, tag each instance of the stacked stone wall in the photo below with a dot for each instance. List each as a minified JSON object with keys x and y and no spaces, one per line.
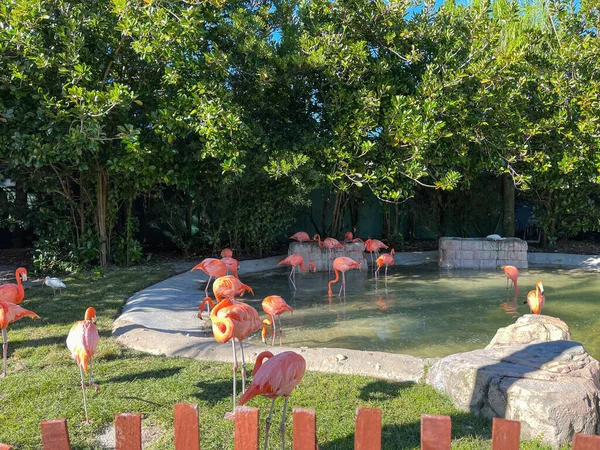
{"x":482,"y":253}
{"x":311,"y":252}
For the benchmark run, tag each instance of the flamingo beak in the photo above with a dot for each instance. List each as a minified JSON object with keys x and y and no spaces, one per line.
{"x":24,"y":277}
{"x":540,"y":286}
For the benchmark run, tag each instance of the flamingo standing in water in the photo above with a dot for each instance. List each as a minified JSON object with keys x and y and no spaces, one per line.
{"x":226,"y":253}
{"x":536,"y":299}
{"x":14,"y":293}
{"x":274,"y":305}
{"x":301,"y":236}
{"x":329,"y":243}
{"x":231,"y":264}
{"x":225,"y":287}
{"x":512,"y":273}
{"x":387,"y":259}
{"x":373,"y":246}
{"x":233,"y":321}
{"x":342,"y":264}
{"x":277,"y":377}
{"x":296,"y":260}
{"x":9,"y":313}
{"x":213,"y":268}
{"x":82,"y":342}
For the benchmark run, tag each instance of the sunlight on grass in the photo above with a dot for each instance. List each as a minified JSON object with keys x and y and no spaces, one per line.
{"x":43,"y":383}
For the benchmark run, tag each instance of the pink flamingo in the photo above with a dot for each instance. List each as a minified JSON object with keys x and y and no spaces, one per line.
{"x":213,"y":268}
{"x":226,"y":287}
{"x":274,"y":305}
{"x":233,"y":321}
{"x":277,"y":377}
{"x":342,"y":264}
{"x":296,"y":260}
{"x":512,"y":273}
{"x":231,"y":264}
{"x":226,"y":253}
{"x":14,"y":293}
{"x":373,"y":246}
{"x":82,"y":342}
{"x":349,"y":237}
{"x":329,"y":243}
{"x":536,"y":299}
{"x":387,"y":259}
{"x":301,"y":236}
{"x":9,"y":313}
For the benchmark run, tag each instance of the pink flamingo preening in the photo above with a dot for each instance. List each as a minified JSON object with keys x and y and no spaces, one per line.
{"x":296,"y":260}
{"x":277,"y":377}
{"x":536,"y":299}
{"x":512,"y":273}
{"x":386,"y":259}
{"x":82,"y":342}
{"x":9,"y":313}
{"x":14,"y":293}
{"x":275,"y":306}
{"x":213,"y":268}
{"x":342,"y":264}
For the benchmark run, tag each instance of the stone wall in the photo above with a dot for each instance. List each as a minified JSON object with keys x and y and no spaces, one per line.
{"x":311,"y":252}
{"x":482,"y":253}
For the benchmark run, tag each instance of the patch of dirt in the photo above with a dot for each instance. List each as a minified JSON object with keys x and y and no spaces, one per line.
{"x":150,"y":434}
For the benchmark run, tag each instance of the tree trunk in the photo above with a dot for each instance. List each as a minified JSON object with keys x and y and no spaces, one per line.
{"x":102,"y":202}
{"x":508,"y":224}
{"x":20,"y":213}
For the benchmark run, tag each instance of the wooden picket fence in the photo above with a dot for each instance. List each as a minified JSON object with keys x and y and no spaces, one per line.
{"x":436,"y":431}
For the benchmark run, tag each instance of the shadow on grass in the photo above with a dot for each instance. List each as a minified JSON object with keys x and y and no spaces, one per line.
{"x":382,"y":390}
{"x":405,"y":436}
{"x":212,"y":392}
{"x":149,"y":374}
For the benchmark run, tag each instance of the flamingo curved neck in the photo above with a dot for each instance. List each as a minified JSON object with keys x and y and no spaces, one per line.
{"x":335,"y":280}
{"x":260,"y":359}
{"x":222,"y":324}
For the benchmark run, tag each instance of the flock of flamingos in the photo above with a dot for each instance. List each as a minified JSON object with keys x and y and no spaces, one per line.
{"x":232,"y":320}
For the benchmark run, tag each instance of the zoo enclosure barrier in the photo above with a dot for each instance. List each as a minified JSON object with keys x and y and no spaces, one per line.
{"x":436,"y":431}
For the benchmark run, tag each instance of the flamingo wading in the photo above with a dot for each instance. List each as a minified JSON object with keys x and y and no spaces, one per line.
{"x":373,"y":246}
{"x":9,"y":313}
{"x":213,"y":268}
{"x":82,"y":342}
{"x":275,"y":306}
{"x":386,"y":259}
{"x":536,"y":299}
{"x":342,"y":264}
{"x":512,"y":273}
{"x":277,"y":377}
{"x":296,"y":260}
{"x":14,"y":293}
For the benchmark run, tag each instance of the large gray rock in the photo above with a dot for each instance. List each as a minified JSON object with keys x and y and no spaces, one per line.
{"x":552,"y":387}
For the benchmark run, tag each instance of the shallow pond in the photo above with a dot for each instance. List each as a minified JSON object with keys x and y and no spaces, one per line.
{"x":425,"y":311}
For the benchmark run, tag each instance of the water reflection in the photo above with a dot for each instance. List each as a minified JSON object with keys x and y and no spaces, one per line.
{"x":510,"y":307}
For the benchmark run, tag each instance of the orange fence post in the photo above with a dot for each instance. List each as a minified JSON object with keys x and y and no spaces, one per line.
{"x":128,"y":431}
{"x":245,"y":435}
{"x":5,"y":447}
{"x":506,"y":434}
{"x":436,"y":432}
{"x":187,"y":433}
{"x":586,"y":442}
{"x":368,"y":429}
{"x":305,"y":429}
{"x":55,"y":435}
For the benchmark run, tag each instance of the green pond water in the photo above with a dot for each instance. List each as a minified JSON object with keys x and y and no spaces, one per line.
{"x":425,"y":311}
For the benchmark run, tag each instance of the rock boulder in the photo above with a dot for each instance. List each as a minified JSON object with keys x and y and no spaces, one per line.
{"x":551,"y":386}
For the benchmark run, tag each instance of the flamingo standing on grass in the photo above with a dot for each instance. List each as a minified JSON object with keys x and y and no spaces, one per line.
{"x":14,"y":293}
{"x":512,"y":273}
{"x":342,"y":264}
{"x":301,"y":236}
{"x":373,"y":246}
{"x":9,"y":313}
{"x":213,"y":268}
{"x":277,"y":377}
{"x":231,"y":264}
{"x":275,"y":306}
{"x":296,"y":260}
{"x":233,"y":321}
{"x":82,"y":342}
{"x":386,"y":259}
{"x":536,"y":299}
{"x":329,"y":243}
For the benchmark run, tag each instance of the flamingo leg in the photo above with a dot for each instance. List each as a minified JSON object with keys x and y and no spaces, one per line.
{"x":343,"y":286}
{"x":280,"y":332}
{"x":83,"y":390}
{"x":91,"y":379}
{"x":268,"y":427}
{"x":293,"y":277}
{"x":235,"y":367}
{"x":274,"y":330}
{"x":4,"y":351}
{"x":506,"y":282}
{"x":243,"y":367}
{"x":206,"y":290}
{"x":282,"y":427}
{"x":386,"y":272}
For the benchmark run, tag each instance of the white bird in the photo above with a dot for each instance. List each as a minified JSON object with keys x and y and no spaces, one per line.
{"x":495,"y":237}
{"x":54,"y":283}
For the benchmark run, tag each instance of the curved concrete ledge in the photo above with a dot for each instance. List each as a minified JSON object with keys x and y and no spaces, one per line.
{"x":162,"y":320}
{"x":564,"y":260}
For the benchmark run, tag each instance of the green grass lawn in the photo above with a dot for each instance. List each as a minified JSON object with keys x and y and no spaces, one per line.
{"x":43,"y":383}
